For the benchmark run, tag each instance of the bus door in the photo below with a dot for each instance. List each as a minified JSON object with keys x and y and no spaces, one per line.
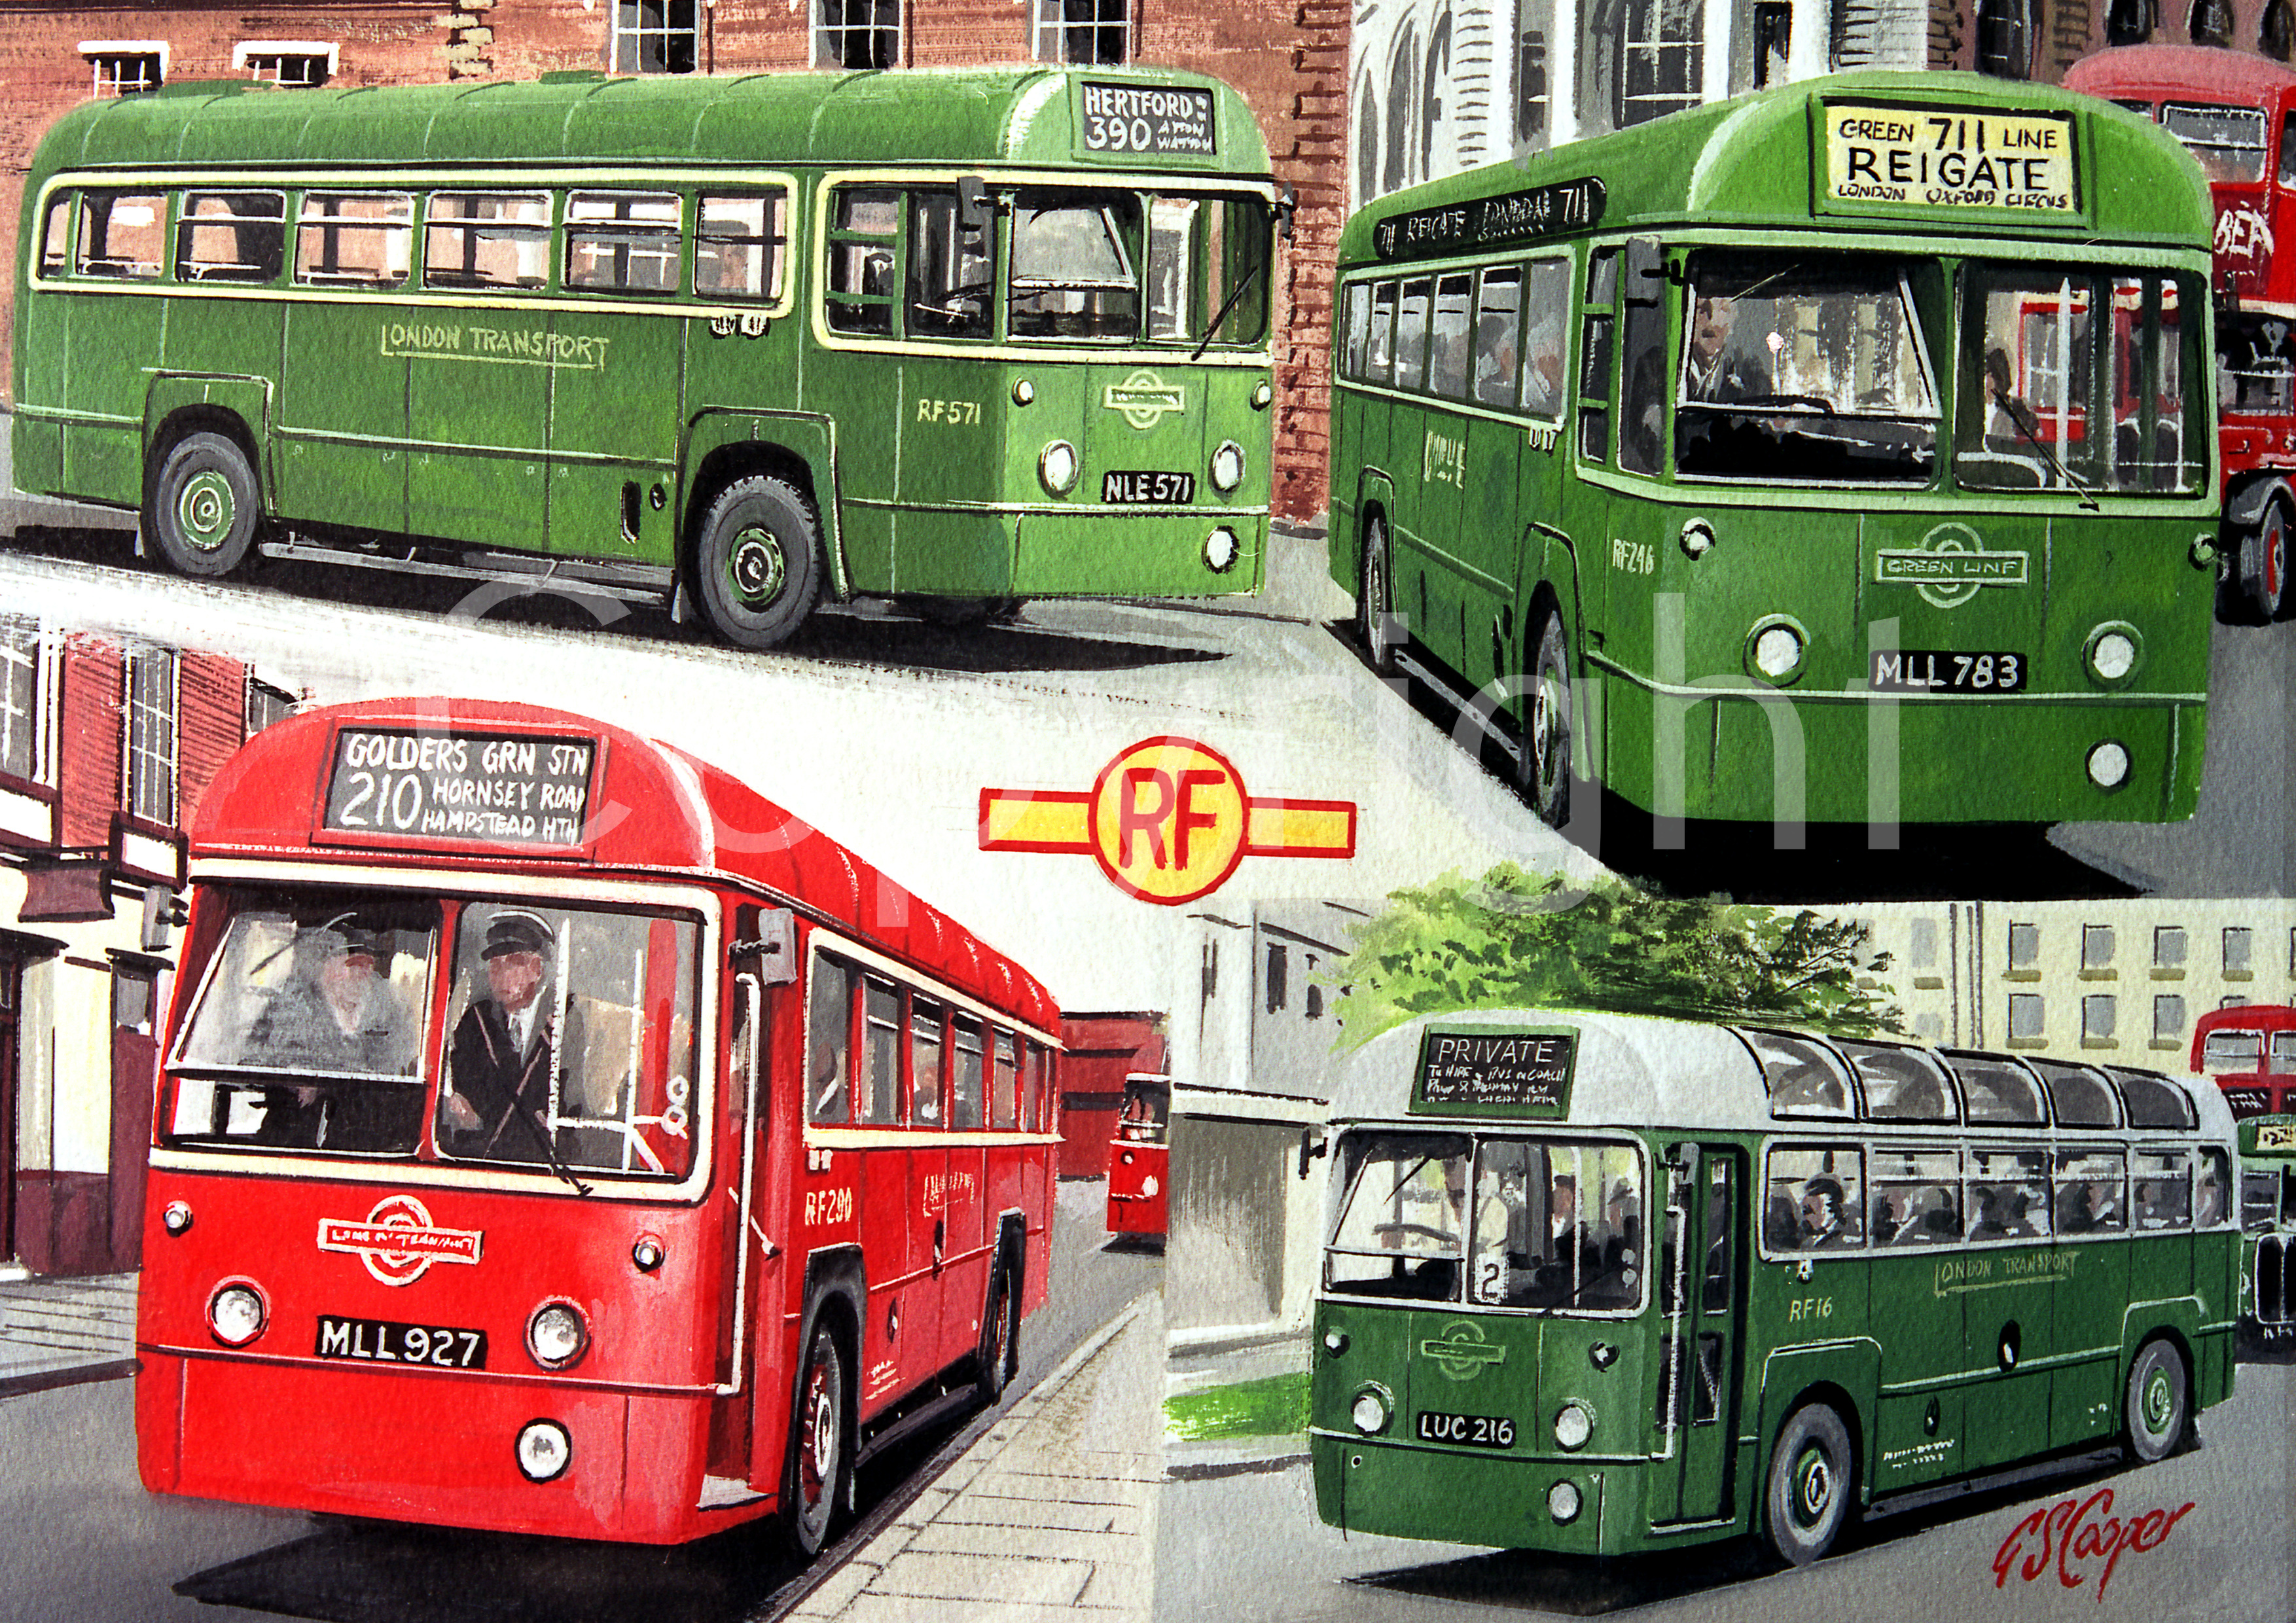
{"x":949,"y":447}
{"x":861,"y":390}
{"x":917,"y":1348}
{"x":1701,"y":1293}
{"x":614,"y":376}
{"x":341,"y":406}
{"x":478,"y":390}
{"x":2009,"y":1306}
{"x":746,"y":1278}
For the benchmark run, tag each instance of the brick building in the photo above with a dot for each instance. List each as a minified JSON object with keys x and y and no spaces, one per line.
{"x":104,"y":752}
{"x":1288,"y":57}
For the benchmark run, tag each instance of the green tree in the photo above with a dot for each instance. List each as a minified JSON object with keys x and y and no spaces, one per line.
{"x":1514,"y":939}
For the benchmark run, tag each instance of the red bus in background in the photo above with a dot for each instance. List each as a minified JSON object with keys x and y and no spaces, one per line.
{"x":2250,"y":1052}
{"x":1139,"y":1173}
{"x":2231,"y":113}
{"x":555,"y":1136}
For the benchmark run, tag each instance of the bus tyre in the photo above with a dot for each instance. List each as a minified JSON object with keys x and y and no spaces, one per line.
{"x":1000,"y":1335}
{"x":1544,"y":769}
{"x":758,"y":561}
{"x":1372,"y":605}
{"x":204,"y":506}
{"x":819,"y":1478}
{"x":2264,"y":561}
{"x":2156,"y":1408}
{"x":1811,"y":1484}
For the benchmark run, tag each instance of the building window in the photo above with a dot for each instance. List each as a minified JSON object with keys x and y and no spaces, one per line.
{"x":133,"y":999}
{"x":2097,"y":1018}
{"x":2024,"y":1016}
{"x":2130,"y":22}
{"x":150,"y":787}
{"x":2232,"y":1000}
{"x":1279,"y":977}
{"x":656,"y":36}
{"x":1929,"y":1028}
{"x":125,"y":67}
{"x":2276,"y":34}
{"x":1661,"y":60}
{"x":1773,"y":41}
{"x":19,"y":699}
{"x":1921,"y":945}
{"x":2096,"y":947}
{"x":266,"y":704}
{"x":2169,"y":947}
{"x":1530,"y":89}
{"x":2167,"y":1017}
{"x":299,"y":64}
{"x":1089,"y":33}
{"x":857,"y":34}
{"x":2004,"y":38}
{"x":2024,"y":947}
{"x":2212,"y":22}
{"x":2236,"y":943}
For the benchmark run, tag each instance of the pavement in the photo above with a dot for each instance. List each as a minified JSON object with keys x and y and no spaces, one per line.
{"x":60,"y":1332}
{"x":1051,"y":1514}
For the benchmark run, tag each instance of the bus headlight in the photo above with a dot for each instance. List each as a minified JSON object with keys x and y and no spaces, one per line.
{"x":545,"y":1451}
{"x":1562,"y":1502}
{"x":1370,"y":1412}
{"x":1057,"y":467}
{"x":1024,"y":393}
{"x":1262,"y":398}
{"x":1573,"y":1426}
{"x":647,"y":1254}
{"x":2107,"y":764}
{"x":235,"y":1314}
{"x":555,"y":1336}
{"x":1221,"y":550}
{"x":1147,"y":1186}
{"x":1228,"y":466}
{"x":177,"y":1219}
{"x":1774,"y":650}
{"x":2113,"y":652}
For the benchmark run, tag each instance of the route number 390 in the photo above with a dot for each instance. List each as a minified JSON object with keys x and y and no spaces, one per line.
{"x":1105,"y":135}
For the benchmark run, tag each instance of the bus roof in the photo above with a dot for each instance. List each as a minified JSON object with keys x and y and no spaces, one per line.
{"x":2204,"y":72}
{"x":692,"y":820}
{"x":1020,"y":115}
{"x":1749,"y":161}
{"x":1631,"y":1070}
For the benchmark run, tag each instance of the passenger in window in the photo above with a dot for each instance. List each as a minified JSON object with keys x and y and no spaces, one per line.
{"x":1713,"y":371}
{"x":1495,"y":361}
{"x":1888,"y":1215}
{"x":2209,"y":1204}
{"x":336,"y":1013}
{"x":500,"y":1059}
{"x":1822,"y":1228}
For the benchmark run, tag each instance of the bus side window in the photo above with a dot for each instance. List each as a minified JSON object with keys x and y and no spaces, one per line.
{"x":1379,"y":345}
{"x":55,"y":237}
{"x":926,"y":1041}
{"x":2212,"y":1186}
{"x":1545,"y":318}
{"x":1448,"y":349}
{"x":1355,"y":324}
{"x":740,"y":245}
{"x":1004,"y":1084}
{"x":1036,"y":1107}
{"x":623,"y":242}
{"x":1813,"y":1201}
{"x":881,"y":1053}
{"x":1594,"y":358}
{"x":829,"y":1042}
{"x":231,"y":236}
{"x":120,"y":234}
{"x":2092,"y":1191}
{"x":344,"y":239}
{"x":2288,"y":152}
{"x":952,"y":270}
{"x":487,"y":239}
{"x":1411,"y":335}
{"x":965,"y":1073}
{"x":1644,"y":374}
{"x":2008,"y":1194}
{"x":1498,"y":322}
{"x":2163,"y":1193}
{"x":862,"y":245}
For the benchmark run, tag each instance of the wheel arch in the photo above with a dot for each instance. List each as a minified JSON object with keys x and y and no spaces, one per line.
{"x":1832,"y":1376}
{"x":178,"y":407}
{"x":801,"y":451}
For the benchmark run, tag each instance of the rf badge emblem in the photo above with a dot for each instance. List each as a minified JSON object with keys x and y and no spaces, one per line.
{"x":1463,"y":1354}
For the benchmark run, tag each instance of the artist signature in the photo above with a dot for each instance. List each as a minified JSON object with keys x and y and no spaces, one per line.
{"x":2073,"y":1535}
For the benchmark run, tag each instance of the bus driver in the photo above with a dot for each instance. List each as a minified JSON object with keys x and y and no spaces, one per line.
{"x":501,"y":1059}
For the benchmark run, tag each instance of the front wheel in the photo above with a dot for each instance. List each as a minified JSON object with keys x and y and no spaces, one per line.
{"x":2264,"y":562}
{"x":1544,"y":767}
{"x":1810,"y":1487}
{"x":820,"y":1471}
{"x":1000,"y":1336}
{"x":757,"y":562}
{"x":1373,"y":612}
{"x":204,"y":506}
{"x":2156,"y":1406}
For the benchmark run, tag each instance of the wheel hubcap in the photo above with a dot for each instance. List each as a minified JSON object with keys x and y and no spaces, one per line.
{"x":2158,"y":1401}
{"x":204,"y":509}
{"x":755,"y":567}
{"x":1546,"y":731}
{"x":820,"y":1438}
{"x":1814,"y":1480}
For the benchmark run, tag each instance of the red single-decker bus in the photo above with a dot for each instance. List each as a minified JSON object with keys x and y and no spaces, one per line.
{"x":2233,"y":113}
{"x":556,"y":1136}
{"x":1139,"y":1175}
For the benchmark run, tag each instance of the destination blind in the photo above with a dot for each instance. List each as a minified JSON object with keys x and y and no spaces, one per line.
{"x":464,"y":787}
{"x":1950,"y":157}
{"x":1149,"y":119}
{"x":1496,"y":1072}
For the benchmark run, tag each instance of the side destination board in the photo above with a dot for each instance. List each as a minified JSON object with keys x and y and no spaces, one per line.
{"x":1148,"y":119}
{"x":1513,"y":217}
{"x":465,"y":788}
{"x":1493,"y":1071}
{"x":1949,"y":158}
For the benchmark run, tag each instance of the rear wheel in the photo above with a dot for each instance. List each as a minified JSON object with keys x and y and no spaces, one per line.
{"x":757,"y":562}
{"x":1000,"y":1336}
{"x":204,"y":506}
{"x":2157,"y":1405}
{"x":1544,"y":768}
{"x":820,"y":1469}
{"x":1371,"y":609}
{"x":2264,"y":561}
{"x":1810,"y":1484}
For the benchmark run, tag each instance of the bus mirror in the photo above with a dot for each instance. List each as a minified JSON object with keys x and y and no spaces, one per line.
{"x":1287,"y":204}
{"x":1312,"y":1147}
{"x":771,"y":937}
{"x":1684,"y":1156}
{"x":1645,"y":270}
{"x":972,"y":209}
